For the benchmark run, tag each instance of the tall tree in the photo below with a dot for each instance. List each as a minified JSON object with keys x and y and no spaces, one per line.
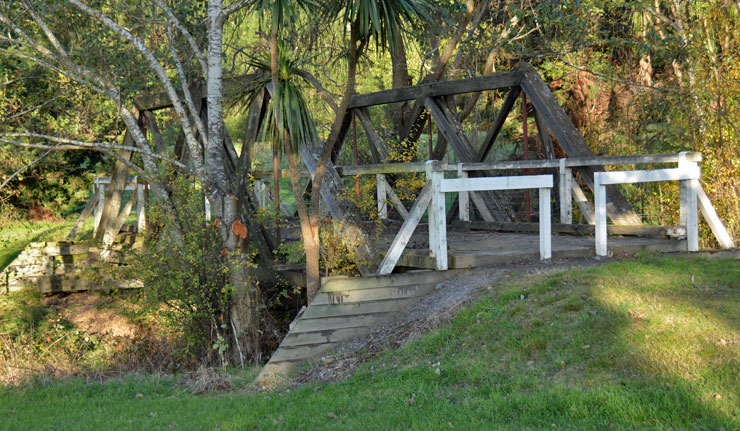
{"x":38,"y":31}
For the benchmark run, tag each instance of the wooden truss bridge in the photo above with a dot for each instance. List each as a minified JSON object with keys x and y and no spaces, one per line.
{"x":487,"y":231}
{"x":429,"y":240}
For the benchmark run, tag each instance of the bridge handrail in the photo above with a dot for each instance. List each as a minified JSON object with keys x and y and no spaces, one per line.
{"x":570,"y":162}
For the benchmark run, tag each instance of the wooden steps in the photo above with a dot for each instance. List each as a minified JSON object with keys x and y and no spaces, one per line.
{"x":345,"y":308}
{"x":59,"y":266}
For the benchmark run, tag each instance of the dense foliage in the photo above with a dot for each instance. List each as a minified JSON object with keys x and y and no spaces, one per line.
{"x":635,"y":76}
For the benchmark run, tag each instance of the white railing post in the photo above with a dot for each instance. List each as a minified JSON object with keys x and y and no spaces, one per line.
{"x":600,"y":210}
{"x":381,"y":192}
{"x":565,"y":193}
{"x":140,"y":207}
{"x":689,"y":205}
{"x":464,"y":196}
{"x":101,"y":188}
{"x":258,"y":192}
{"x":545,"y":221}
{"x":710,"y":215}
{"x":431,"y":219}
{"x":207,"y":205}
{"x":437,"y":216}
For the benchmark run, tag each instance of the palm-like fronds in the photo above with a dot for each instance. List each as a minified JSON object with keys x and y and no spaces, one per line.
{"x":296,"y":117}
{"x":382,"y":20}
{"x":294,"y":113}
{"x":283,"y":12}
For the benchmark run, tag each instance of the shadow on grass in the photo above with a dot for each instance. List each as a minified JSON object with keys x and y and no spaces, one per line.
{"x":624,"y":346}
{"x":562,"y":352}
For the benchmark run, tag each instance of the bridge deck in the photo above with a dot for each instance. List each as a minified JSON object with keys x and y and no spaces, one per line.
{"x":470,"y":249}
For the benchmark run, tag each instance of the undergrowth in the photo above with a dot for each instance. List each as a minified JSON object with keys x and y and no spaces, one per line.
{"x":651,"y":343}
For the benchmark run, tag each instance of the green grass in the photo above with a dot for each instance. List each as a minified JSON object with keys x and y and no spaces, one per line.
{"x":643,"y":344}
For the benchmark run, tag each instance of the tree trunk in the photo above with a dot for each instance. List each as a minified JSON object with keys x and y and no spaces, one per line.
{"x":243,"y":315}
{"x":309,"y":230}
{"x":278,"y":123}
{"x":366,"y":257}
{"x":400,"y":112}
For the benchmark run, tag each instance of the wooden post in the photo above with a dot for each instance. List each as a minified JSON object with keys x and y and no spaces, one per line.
{"x":431,"y":215}
{"x":146,"y":201}
{"x":276,"y":197}
{"x":437,"y":217}
{"x":140,"y":207}
{"x":689,"y":204}
{"x":258,"y":192}
{"x":380,"y":187}
{"x":565,"y":193}
{"x":101,"y":190}
{"x":396,"y":201}
{"x":545,"y":222}
{"x":464,"y":196}
{"x":710,"y":215}
{"x":357,"y":158}
{"x":89,"y":208}
{"x":600,"y":210}
{"x":527,"y":201}
{"x":207,"y":205}
{"x":407,"y":229}
{"x":431,"y":146}
{"x":583,"y":204}
{"x":682,"y":190}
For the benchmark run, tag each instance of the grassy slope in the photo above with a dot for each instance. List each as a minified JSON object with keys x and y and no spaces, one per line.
{"x":632,"y":345}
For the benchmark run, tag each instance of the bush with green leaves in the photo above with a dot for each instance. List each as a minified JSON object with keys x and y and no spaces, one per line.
{"x":186,"y":276}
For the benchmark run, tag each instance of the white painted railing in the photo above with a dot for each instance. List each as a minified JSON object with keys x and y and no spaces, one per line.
{"x":438,"y":213}
{"x":432,"y":199}
{"x":100,"y":186}
{"x":692,"y":196}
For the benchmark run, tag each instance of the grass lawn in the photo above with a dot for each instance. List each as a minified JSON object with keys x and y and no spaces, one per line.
{"x":651,"y":343}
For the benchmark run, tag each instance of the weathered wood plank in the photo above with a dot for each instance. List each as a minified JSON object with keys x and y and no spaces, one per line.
{"x":342,"y":283}
{"x":75,"y":283}
{"x":404,"y":234}
{"x":437,"y":219}
{"x":571,"y":140}
{"x":60,"y":249}
{"x":496,"y":183}
{"x":398,"y":168}
{"x":437,"y":89}
{"x":396,"y":201}
{"x":377,"y":147}
{"x":655,"y":175}
{"x":381,"y":189}
{"x":301,"y":352}
{"x":365,"y":295}
{"x":578,"y":229}
{"x":587,"y":210}
{"x":600,"y":230}
{"x":294,"y":339}
{"x":331,"y":323}
{"x":710,"y":215}
{"x":498,"y":123}
{"x":86,"y":212}
{"x":354,"y":309}
{"x":463,"y":197}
